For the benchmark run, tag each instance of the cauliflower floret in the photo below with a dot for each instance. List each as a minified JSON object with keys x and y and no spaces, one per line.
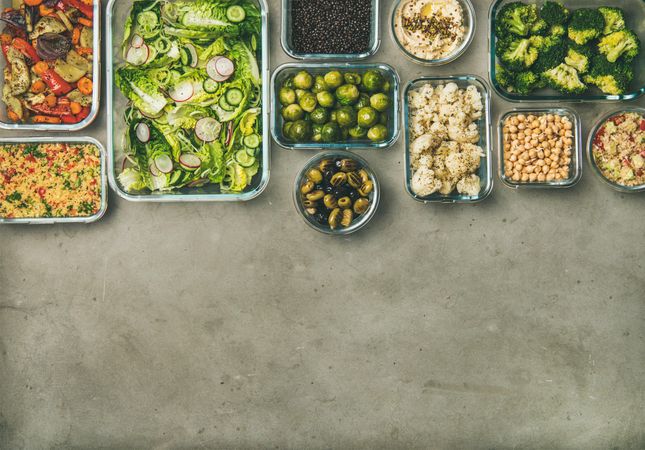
{"x":449,"y":93}
{"x":446,"y":111}
{"x":425,"y":160}
{"x":424,"y":143}
{"x":447,"y":186}
{"x":462,"y":135}
{"x":424,"y":182}
{"x":439,"y":130}
{"x":472,"y":155}
{"x":469,"y":185}
{"x":456,"y":165}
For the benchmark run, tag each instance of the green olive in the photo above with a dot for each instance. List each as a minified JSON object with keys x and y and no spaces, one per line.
{"x":352,"y":78}
{"x":309,"y":203}
{"x":344,"y":202}
{"x":348,"y":217}
{"x":348,"y":165}
{"x":330,"y":201}
{"x":366,"y":188}
{"x":334,"y":218}
{"x":326,"y":165}
{"x":347,"y":94}
{"x":315,"y":175}
{"x":320,"y":85}
{"x":325,"y":99}
{"x":377,"y":133}
{"x":367,"y":117}
{"x":361,"y":205}
{"x":287,"y":96}
{"x":373,"y":81}
{"x":346,"y":116}
{"x":338,"y":179}
{"x":300,"y":130}
{"x":380,"y":102}
{"x":357,"y":132}
{"x":303,"y":80}
{"x":354,"y":180}
{"x":307,"y":187}
{"x":330,"y":132}
{"x":364,"y":175}
{"x":333,"y":79}
{"x":308,"y":102}
{"x":292,"y":112}
{"x":314,"y":196}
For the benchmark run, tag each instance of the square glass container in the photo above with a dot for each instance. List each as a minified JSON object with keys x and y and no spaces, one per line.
{"x":635,"y":17}
{"x":117,"y":12}
{"x":485,"y":171}
{"x":287,"y":70}
{"x":70,"y":140}
{"x":287,"y":43}
{"x":592,"y":160}
{"x":575,"y":167}
{"x":6,"y":124}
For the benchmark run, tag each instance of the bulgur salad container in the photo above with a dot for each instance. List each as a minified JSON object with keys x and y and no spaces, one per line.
{"x":52,"y":56}
{"x":60,"y":180}
{"x":482,"y":126}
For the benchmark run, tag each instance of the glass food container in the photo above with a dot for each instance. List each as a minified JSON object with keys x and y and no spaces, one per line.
{"x":287,"y":70}
{"x":287,"y":43}
{"x":635,"y":17}
{"x":70,"y":140}
{"x":485,"y":171}
{"x":470,"y":24}
{"x":117,"y":12}
{"x":592,"y":160}
{"x":359,"y":222}
{"x":6,"y":124}
{"x":575,"y":167}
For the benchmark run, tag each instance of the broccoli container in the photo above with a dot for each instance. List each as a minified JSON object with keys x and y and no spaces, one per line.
{"x":569,"y":51}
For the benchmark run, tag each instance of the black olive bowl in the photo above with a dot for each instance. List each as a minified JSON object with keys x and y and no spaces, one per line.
{"x":320,"y":223}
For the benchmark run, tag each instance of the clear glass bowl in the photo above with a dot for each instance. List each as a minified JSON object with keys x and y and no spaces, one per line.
{"x":575,"y":167}
{"x":117,"y":12}
{"x":359,"y":222}
{"x":6,"y":124}
{"x":63,"y":140}
{"x":470,"y":25}
{"x":286,"y":70}
{"x":592,"y":160}
{"x":485,"y":172}
{"x":635,"y":17}
{"x":287,"y":45}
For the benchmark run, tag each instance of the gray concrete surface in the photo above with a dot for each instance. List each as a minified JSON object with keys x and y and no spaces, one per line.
{"x":515,"y":323}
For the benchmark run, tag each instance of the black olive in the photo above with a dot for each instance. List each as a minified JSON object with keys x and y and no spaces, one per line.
{"x":319,"y":187}
{"x":341,"y":191}
{"x":353,"y":194}
{"x":328,"y":189}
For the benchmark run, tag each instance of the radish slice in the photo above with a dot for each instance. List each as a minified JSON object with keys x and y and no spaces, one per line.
{"x":224,"y":67}
{"x":137,"y":55}
{"x":182,"y":92}
{"x":189,"y":161}
{"x":137,"y":41}
{"x":211,"y":70}
{"x":208,"y":129}
{"x":143,"y":132}
{"x":193,"y":55}
{"x":163,"y":163}
{"x":154,"y":170}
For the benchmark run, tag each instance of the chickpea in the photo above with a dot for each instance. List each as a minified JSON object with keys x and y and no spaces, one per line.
{"x":533,"y":177}
{"x":512,"y":129}
{"x":525,"y":177}
{"x":512,"y":158}
{"x":567,"y":125}
{"x":541,"y":177}
{"x":516,"y":177}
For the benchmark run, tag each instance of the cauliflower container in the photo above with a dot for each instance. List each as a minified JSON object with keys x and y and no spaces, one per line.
{"x":447,"y":139}
{"x":634,"y":12}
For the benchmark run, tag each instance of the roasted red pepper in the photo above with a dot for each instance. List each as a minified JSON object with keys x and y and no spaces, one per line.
{"x":26,"y":49}
{"x":85,"y":111}
{"x":55,"y":82}
{"x":86,"y":10}
{"x":5,"y":48}
{"x":69,"y":119}
{"x":60,"y":110}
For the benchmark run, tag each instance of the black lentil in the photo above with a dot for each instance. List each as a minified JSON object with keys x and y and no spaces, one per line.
{"x":331,"y":26}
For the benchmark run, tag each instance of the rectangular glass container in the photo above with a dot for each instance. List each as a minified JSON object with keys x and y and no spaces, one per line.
{"x":485,"y":172}
{"x":635,"y":17}
{"x":287,"y":70}
{"x":6,"y":124}
{"x":62,"y":140}
{"x":117,"y":12}
{"x":575,"y":167}
{"x":287,"y":43}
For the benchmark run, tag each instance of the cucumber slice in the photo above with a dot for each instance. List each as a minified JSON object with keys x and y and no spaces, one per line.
{"x":148,"y":22}
{"x":184,"y":56}
{"x":234,"y":96}
{"x":252,"y":151}
{"x":224,"y":104}
{"x":211,"y":86}
{"x":174,"y":178}
{"x":235,"y":14}
{"x":244,"y":159}
{"x":252,"y":141}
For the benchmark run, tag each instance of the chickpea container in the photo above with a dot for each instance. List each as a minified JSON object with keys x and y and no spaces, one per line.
{"x":540,"y":148}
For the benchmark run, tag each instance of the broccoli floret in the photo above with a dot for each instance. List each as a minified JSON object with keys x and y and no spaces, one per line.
{"x":579,"y":57}
{"x":505,"y":78}
{"x":611,"y":78}
{"x":517,"y":54}
{"x":542,"y":43}
{"x":516,"y":18}
{"x":557,"y":30}
{"x":564,"y":79}
{"x":526,"y":82}
{"x":586,"y":24}
{"x":623,"y":43}
{"x":614,"y":19}
{"x":554,"y":13}
{"x":540,"y":27}
{"x":551,"y":54}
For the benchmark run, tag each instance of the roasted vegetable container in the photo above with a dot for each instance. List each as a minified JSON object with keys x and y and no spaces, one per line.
{"x":287,"y":41}
{"x":485,"y":172}
{"x":191,"y":44}
{"x":65,"y":180}
{"x":391,"y":112}
{"x":63,"y":93}
{"x":634,"y":11}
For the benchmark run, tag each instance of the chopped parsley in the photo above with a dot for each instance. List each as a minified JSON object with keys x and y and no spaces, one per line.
{"x":33,"y":150}
{"x":15,"y":196}
{"x":86,"y":208}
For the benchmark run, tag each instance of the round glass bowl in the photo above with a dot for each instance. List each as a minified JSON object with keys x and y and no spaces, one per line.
{"x":359,"y":221}
{"x":592,"y":160}
{"x":469,"y":21}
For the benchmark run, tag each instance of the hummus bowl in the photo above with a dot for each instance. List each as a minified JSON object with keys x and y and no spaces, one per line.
{"x":433,"y":32}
